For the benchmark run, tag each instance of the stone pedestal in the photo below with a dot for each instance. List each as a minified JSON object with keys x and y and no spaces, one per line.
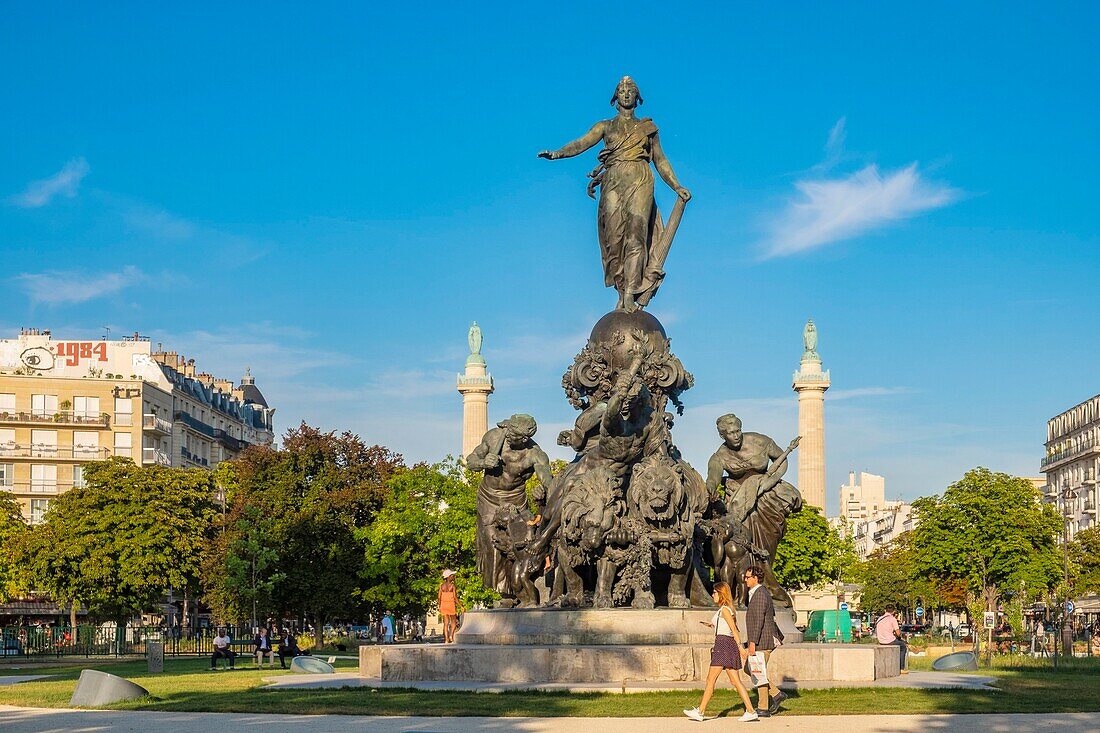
{"x":541,"y":646}
{"x":154,"y":654}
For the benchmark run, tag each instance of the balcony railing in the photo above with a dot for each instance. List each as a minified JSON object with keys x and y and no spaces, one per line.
{"x":156,"y":424}
{"x":56,"y":417}
{"x":43,"y":450}
{"x":155,"y":456}
{"x":193,"y":458}
{"x":38,"y":487}
{"x":1072,"y":452}
{"x":195,"y":424}
{"x":234,"y":444}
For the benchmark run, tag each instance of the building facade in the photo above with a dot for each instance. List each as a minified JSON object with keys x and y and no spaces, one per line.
{"x":810,"y":382}
{"x":64,"y":403}
{"x":880,"y":529}
{"x":1070,"y":464}
{"x":868,"y":517}
{"x":862,"y":499}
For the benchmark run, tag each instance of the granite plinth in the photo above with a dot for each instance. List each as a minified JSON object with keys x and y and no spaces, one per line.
{"x":539,"y":646}
{"x":599,"y":627}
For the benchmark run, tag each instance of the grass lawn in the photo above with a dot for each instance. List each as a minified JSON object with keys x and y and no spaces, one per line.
{"x":188,"y":685}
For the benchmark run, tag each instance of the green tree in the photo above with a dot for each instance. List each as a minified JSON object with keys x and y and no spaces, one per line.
{"x":296,"y":512}
{"x":120,"y":542}
{"x":991,"y":531}
{"x":811,"y":552}
{"x":12,"y":530}
{"x":890,"y":576}
{"x":428,"y":523}
{"x":1084,"y":557}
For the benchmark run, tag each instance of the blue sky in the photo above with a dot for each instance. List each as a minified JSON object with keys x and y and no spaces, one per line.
{"x":330,"y":194}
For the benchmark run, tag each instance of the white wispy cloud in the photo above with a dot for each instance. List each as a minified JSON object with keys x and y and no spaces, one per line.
{"x":277,"y":353}
{"x":828,"y":209}
{"x":857,"y":392}
{"x":63,"y":183}
{"x":57,"y":287}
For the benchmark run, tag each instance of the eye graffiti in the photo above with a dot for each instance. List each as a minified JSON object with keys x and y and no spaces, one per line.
{"x":37,"y":358}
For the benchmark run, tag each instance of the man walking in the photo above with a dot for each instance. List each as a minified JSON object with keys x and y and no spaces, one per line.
{"x":888,"y":633}
{"x":762,"y":635}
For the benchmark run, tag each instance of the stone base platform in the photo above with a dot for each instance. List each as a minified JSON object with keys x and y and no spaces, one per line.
{"x":616,"y":646}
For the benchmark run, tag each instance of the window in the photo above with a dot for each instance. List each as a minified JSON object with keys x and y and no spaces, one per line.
{"x":86,"y":408}
{"x":44,"y":405}
{"x":78,"y":477}
{"x":124,"y":412}
{"x":7,"y":404}
{"x":7,"y":442}
{"x":85,"y":444}
{"x":124,"y":443}
{"x":43,"y":479}
{"x":44,"y":443}
{"x":7,"y":475}
{"x":39,"y":507}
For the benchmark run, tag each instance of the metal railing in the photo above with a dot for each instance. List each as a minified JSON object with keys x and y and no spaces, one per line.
{"x":40,"y":487}
{"x":156,"y":424}
{"x":193,"y":457}
{"x":46,"y":450}
{"x":156,"y":456}
{"x":195,"y":424}
{"x":1072,"y":452}
{"x":56,"y":417}
{"x":19,"y":642}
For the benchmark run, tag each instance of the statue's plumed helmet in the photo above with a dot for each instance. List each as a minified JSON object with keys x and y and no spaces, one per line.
{"x":521,"y":423}
{"x":728,"y":422}
{"x":627,"y":81}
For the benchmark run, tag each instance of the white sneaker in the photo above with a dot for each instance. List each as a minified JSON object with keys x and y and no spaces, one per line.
{"x":748,"y":717}
{"x":695,"y":715}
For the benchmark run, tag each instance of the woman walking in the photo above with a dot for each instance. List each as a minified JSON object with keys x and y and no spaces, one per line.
{"x":449,"y":606}
{"x":726,"y":655}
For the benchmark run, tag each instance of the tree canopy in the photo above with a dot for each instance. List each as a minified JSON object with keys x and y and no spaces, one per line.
{"x":991,"y":531}
{"x":812,"y":552}
{"x":12,"y":530}
{"x":290,"y":541}
{"x":1084,"y":556}
{"x":428,"y":523}
{"x":120,"y":542}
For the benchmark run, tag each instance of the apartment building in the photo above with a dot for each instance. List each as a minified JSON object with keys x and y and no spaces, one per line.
{"x":1070,"y":465}
{"x":64,"y":403}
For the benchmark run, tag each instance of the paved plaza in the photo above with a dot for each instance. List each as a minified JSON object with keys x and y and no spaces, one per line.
{"x":25,"y":720}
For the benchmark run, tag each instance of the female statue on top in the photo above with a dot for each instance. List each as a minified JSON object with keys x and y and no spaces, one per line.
{"x":634,"y":241}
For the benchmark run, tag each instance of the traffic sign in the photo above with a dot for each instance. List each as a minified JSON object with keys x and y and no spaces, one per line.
{"x":843,"y":606}
{"x":990,"y":619}
{"x":920,"y":611}
{"x":1069,"y":606}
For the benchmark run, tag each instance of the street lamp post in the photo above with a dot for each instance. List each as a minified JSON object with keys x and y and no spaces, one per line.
{"x":1068,"y":495}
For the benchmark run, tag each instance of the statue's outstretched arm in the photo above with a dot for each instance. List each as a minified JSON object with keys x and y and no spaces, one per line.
{"x":664,"y":169}
{"x":579,"y":145}
{"x":774,"y":451}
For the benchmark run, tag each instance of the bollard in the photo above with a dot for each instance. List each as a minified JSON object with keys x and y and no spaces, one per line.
{"x":154,"y":652}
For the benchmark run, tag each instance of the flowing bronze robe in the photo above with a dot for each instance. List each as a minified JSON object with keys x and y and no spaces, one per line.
{"x":627,"y":219}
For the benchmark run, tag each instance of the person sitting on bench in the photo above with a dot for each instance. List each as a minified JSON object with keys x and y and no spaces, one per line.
{"x":222,"y":650}
{"x":288,"y":647}
{"x":262,"y":645}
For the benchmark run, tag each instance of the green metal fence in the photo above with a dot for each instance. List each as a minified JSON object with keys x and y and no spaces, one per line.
{"x":110,"y":641}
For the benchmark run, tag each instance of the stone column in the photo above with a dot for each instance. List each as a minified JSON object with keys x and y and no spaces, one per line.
{"x":810,"y":382}
{"x":475,"y":386}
